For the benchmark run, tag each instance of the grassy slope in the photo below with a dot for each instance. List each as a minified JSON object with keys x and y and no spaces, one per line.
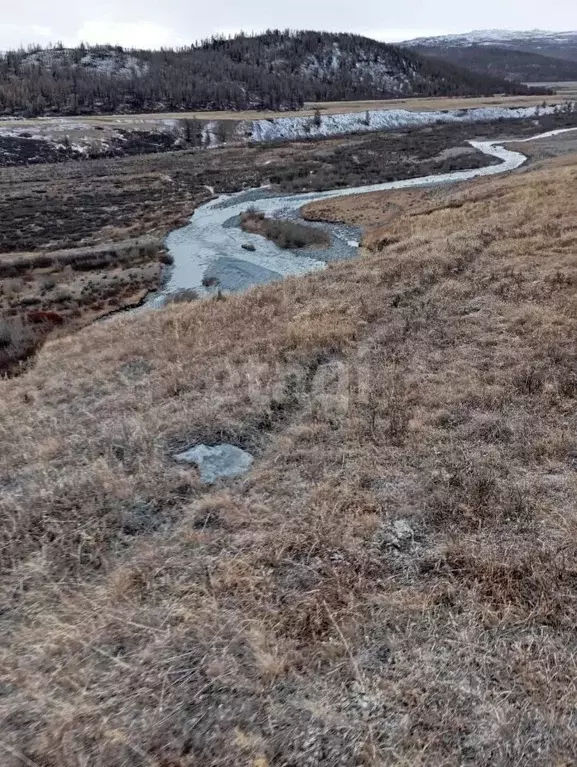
{"x":280,"y":620}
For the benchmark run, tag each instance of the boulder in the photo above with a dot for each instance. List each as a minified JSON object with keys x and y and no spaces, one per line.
{"x":217,"y":461}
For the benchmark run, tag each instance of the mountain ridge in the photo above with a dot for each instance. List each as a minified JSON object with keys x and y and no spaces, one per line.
{"x":526,"y":56}
{"x":493,"y":36}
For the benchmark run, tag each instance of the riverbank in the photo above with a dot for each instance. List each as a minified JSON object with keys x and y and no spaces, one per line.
{"x":393,"y":576}
{"x":215,"y":249}
{"x":61,"y":139}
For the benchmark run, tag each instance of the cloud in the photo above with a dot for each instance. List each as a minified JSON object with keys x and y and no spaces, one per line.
{"x":139,"y":34}
{"x":405,"y":33}
{"x":12,"y":35}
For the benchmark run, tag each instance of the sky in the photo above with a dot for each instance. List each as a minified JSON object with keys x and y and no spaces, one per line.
{"x":152,"y":24}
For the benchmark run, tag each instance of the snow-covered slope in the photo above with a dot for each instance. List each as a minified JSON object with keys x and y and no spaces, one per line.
{"x":527,"y":56}
{"x":496,"y":37}
{"x":107,"y":61}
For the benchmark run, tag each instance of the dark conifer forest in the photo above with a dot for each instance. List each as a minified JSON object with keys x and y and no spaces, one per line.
{"x":276,"y":70}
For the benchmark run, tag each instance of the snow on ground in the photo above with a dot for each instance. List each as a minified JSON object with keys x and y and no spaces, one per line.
{"x":106,"y":62}
{"x":119,"y":64}
{"x":493,"y":36}
{"x":389,"y":119}
{"x":81,"y":134}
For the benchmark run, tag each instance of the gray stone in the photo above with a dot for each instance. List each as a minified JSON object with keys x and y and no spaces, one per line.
{"x":400,"y":535}
{"x":402,"y":530}
{"x":135,"y":370}
{"x":217,"y":461}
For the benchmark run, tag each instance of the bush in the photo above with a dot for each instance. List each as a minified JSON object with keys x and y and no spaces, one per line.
{"x":285,"y":234}
{"x":17,"y":342}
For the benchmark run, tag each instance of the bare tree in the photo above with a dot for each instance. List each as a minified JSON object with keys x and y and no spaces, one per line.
{"x":192,"y":131}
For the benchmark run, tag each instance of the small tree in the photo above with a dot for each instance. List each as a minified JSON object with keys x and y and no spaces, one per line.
{"x":223,"y":131}
{"x":192,"y":131}
{"x":367,"y":120}
{"x":317,"y":119}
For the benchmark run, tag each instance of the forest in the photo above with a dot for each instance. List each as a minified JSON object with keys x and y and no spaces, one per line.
{"x":276,"y":71}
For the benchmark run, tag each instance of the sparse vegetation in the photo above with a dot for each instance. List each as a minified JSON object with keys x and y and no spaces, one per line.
{"x":285,"y":234}
{"x":42,"y":293}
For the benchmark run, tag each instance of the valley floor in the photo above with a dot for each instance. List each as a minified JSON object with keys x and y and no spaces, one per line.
{"x":70,"y":233}
{"x":56,"y":220}
{"x":136,"y":121}
{"x":394,"y":582}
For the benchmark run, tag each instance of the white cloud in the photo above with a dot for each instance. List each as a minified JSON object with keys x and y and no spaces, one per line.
{"x":406,"y":33}
{"x":13,"y":35}
{"x":139,"y":34}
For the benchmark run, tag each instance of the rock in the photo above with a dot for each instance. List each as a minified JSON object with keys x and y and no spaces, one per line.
{"x":402,"y":530}
{"x":217,"y":461}
{"x":400,"y":535}
{"x":135,"y":370}
{"x":248,"y":246}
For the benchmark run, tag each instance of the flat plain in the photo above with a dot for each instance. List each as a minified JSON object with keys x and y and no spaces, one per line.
{"x":326,"y":107}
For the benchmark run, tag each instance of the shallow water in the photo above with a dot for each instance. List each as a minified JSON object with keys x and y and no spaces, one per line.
{"x":209,"y":247}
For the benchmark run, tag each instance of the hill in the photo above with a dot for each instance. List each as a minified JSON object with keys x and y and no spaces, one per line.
{"x":275,"y":70}
{"x":533,"y":56}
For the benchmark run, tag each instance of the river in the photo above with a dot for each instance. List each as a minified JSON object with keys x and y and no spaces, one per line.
{"x":209,"y":248}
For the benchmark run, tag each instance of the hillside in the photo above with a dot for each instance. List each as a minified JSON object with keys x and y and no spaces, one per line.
{"x":505,"y":62}
{"x":394,"y":581}
{"x":276,"y":70}
{"x":522,"y":56}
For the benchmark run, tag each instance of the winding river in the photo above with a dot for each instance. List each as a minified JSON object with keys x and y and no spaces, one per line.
{"x":210,"y":248}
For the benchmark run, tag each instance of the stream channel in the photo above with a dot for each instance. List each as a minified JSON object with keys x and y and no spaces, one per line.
{"x":209,"y":248}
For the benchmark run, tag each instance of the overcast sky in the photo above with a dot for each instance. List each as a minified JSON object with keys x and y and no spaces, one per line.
{"x":150,"y":23}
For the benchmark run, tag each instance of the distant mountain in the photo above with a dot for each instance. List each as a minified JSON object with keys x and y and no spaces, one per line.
{"x":531,"y":37}
{"x":275,"y":70}
{"x":530,"y":56}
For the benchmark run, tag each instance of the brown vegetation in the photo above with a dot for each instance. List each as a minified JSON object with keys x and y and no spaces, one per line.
{"x":394,"y":582}
{"x":285,"y":234}
{"x":59,"y":291}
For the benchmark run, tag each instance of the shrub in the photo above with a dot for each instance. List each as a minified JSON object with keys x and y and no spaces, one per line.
{"x":17,"y":342}
{"x":285,"y":234}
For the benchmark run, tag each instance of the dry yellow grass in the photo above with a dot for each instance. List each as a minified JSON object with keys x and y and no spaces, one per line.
{"x":327,"y":107}
{"x":393,"y":583}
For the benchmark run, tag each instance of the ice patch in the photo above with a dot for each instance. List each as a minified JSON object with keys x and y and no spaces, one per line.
{"x":287,"y":128}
